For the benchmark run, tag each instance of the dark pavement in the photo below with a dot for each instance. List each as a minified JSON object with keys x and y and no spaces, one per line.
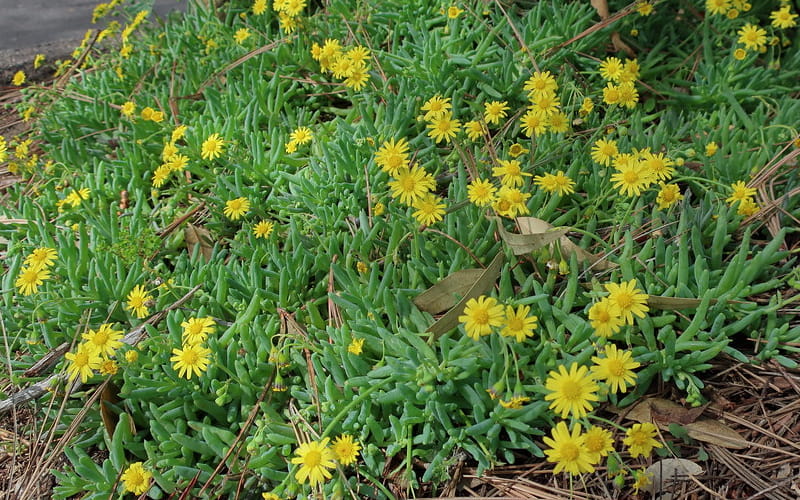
{"x":51,"y":27}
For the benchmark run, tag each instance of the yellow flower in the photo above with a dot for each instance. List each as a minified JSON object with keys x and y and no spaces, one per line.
{"x":603,"y":151}
{"x":599,"y":443}
{"x":611,"y":94}
{"x":511,"y":202}
{"x":358,"y":78}
{"x":480,"y":315}
{"x":616,"y":369}
{"x":630,"y":300}
{"x":132,"y":356}
{"x":515,"y":403}
{"x":178,"y":133}
{"x":128,"y":109}
{"x":586,"y":106}
{"x":510,"y":173}
{"x":236,"y":208}
{"x":346,"y":449}
{"x":658,"y":165}
{"x":411,"y":184}
{"x":568,"y":450}
{"x":435,"y":107}
{"x":516,"y":150}
{"x":740,"y":193}
{"x":136,"y":479}
{"x":356,"y":346}
{"x":138,"y":301}
{"x":38,"y":60}
{"x":30,"y":278}
{"x":192,"y":359}
{"x":752,"y":36}
{"x":632,"y":179}
{"x":611,"y":69}
{"x":606,"y":318}
{"x":559,"y":183}
{"x":739,"y":54}
{"x":429,"y":209}
{"x":640,"y":439}
{"x":109,"y":367}
{"x":301,"y":135}
{"x":711,"y":148}
{"x":628,"y":95}
{"x":481,"y":192}
{"x":83,"y":362}
{"x":540,"y":83}
{"x":77,"y":196}
{"x":557,"y":122}
{"x":105,"y":340}
{"x":241,"y":35}
{"x":42,"y":257}
{"x":290,"y":147}
{"x":263,"y":229}
{"x":314,"y":458}
{"x":161,"y":174}
{"x":196,"y":330}
{"x":494,"y":111}
{"x":213,"y":147}
{"x":571,"y":392}
{"x":453,"y":12}
{"x":781,"y":18}
{"x":644,"y":8}
{"x":533,"y":124}
{"x":392,"y":156}
{"x":668,"y":195}
{"x":19,"y":78}
{"x":642,"y":479}
{"x":177,"y":162}
{"x":443,"y":127}
{"x":747,"y":207}
{"x":718,"y":6}
{"x":474,"y":129}
{"x":518,"y":323}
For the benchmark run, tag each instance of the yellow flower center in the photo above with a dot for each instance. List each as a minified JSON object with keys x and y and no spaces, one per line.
{"x":603,"y":316}
{"x":631,"y":177}
{"x":570,"y":452}
{"x":312,"y":459}
{"x":100,"y":338}
{"x":481,"y":316}
{"x":515,"y":324}
{"x":594,"y":443}
{"x":571,"y":390}
{"x":624,"y":300}
{"x":81,"y":359}
{"x":189,"y":357}
{"x":408,"y":183}
{"x":30,"y":276}
{"x":616,"y":367}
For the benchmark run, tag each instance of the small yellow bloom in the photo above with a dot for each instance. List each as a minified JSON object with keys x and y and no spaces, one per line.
{"x":136,"y":479}
{"x":236,"y":208}
{"x":19,"y":78}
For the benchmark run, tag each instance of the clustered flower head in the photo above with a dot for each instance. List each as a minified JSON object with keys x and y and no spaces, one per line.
{"x":350,"y":65}
{"x":35,"y":270}
{"x":743,"y":198}
{"x":621,"y":78}
{"x":193,"y":357}
{"x":316,"y":458}
{"x":96,"y":352}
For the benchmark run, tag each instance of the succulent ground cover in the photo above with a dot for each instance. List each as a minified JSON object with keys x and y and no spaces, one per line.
{"x":384,"y":249}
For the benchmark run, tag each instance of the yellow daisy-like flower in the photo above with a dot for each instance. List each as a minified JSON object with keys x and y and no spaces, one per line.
{"x":392,"y":156}
{"x":358,"y":78}
{"x":429,"y":209}
{"x":747,"y":207}
{"x":515,"y":403}
{"x":510,"y":173}
{"x":611,"y":69}
{"x":453,"y":12}
{"x":611,"y":94}
{"x":640,"y":439}
{"x":494,"y":111}
{"x":599,"y":443}
{"x":658,"y":165}
{"x":18,"y":79}
{"x":632,"y":179}
{"x":540,"y":83}
{"x":481,"y":192}
{"x":435,"y":107}
{"x":128,"y":109}
{"x":411,"y":184}
{"x":783,"y":18}
{"x":138,"y":300}
{"x":169,"y":150}
{"x":568,"y":450}
{"x":739,"y":54}
{"x":263,"y":229}
{"x":533,"y":124}
{"x":511,"y":202}
{"x":740,"y":193}
{"x":628,"y":95}
{"x":480,"y":315}
{"x":606,"y":318}
{"x":616,"y":369}
{"x":669,"y":195}
{"x":301,"y":135}
{"x":132,"y":356}
{"x":241,"y":35}
{"x":443,"y":128}
{"x":38,"y":60}
{"x":314,"y":458}
{"x":161,"y":174}
{"x":109,"y":367}
{"x":30,"y":279}
{"x":559,"y":183}
{"x":604,"y":151}
{"x":545,"y":105}
{"x":644,"y":8}
{"x":192,"y":359}
{"x":718,"y":7}
{"x":711,"y":148}
{"x":212,"y":148}
{"x":105,"y":340}
{"x":356,"y":346}
{"x":586,"y":106}
{"x":177,"y":162}
{"x":236,"y":208}
{"x":752,"y":36}
{"x":557,"y":122}
{"x":196,"y":330}
{"x":571,"y":392}
{"x":178,"y":133}
{"x":77,"y":196}
{"x":42,"y":257}
{"x":136,"y":479}
{"x":517,"y":149}
{"x":518,"y":323}
{"x":475,"y":130}
{"x":630,"y":300}
{"x":346,"y":449}
{"x":83,"y":362}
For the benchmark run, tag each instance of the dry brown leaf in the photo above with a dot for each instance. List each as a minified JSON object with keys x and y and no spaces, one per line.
{"x":198,"y":235}
{"x":532,"y":225}
{"x":715,"y":432}
{"x":667,"y":471}
{"x":447,"y":292}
